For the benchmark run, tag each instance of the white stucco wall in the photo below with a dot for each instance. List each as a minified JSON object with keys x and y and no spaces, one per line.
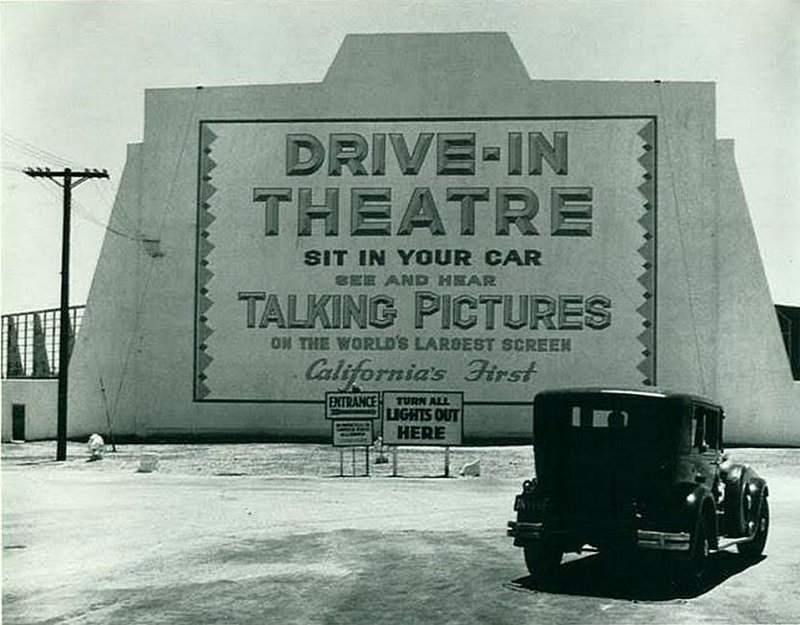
{"x":40,"y":398}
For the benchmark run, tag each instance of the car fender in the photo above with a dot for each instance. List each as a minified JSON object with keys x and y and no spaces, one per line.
{"x":756,"y":488}
{"x":696,"y":504}
{"x":744,"y":495}
{"x":529,"y":504}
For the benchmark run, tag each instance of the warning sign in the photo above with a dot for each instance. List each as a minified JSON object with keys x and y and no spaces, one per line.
{"x":352,"y":405}
{"x":352,"y":433}
{"x":423,"y":418}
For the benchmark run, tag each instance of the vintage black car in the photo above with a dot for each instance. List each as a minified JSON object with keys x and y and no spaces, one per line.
{"x":624,"y":471}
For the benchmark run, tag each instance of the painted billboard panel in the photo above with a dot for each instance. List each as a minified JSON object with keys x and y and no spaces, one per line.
{"x":494,"y":255}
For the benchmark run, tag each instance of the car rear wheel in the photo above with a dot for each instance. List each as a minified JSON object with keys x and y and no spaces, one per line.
{"x":543,"y":559}
{"x":755,"y":547}
{"x":692,"y":573}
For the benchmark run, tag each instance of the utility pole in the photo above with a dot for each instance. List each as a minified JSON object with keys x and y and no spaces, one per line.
{"x":66,"y":179}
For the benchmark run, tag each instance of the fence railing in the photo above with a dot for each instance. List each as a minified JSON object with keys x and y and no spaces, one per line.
{"x":30,"y":342}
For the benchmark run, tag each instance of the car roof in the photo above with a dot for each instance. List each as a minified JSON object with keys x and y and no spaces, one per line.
{"x":654,"y":393}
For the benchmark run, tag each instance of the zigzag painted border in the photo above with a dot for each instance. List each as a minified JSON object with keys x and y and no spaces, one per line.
{"x":647,"y":367}
{"x":204,"y":247}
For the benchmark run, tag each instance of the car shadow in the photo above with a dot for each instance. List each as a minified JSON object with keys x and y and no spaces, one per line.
{"x":642,"y":579}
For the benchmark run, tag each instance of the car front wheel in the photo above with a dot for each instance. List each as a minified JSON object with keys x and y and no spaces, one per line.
{"x":755,"y":547}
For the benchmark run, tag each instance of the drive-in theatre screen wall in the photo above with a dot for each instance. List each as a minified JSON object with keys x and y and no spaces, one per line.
{"x":496,"y":256}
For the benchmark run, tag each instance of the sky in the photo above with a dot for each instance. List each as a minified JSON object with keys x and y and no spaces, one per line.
{"x":73,"y":75}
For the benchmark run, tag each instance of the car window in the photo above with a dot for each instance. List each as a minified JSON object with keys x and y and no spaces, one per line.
{"x":706,"y":428}
{"x":713,"y":429}
{"x":596,"y":418}
{"x":582,"y":417}
{"x":699,"y":428}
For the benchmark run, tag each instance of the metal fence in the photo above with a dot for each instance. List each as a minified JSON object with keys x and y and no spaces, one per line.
{"x":30,"y":342}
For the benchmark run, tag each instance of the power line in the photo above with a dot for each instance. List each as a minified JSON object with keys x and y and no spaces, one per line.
{"x":108,"y":198}
{"x":12,"y":167}
{"x":85,"y":214}
{"x":30,"y":149}
{"x":35,"y":151}
{"x":82,"y":210}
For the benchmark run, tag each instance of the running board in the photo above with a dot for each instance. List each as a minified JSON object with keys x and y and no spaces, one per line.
{"x":730,"y":542}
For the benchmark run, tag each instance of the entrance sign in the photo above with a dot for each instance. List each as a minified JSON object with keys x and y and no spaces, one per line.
{"x":423,"y":418}
{"x":357,"y":405}
{"x":499,"y":256}
{"x":352,"y":433}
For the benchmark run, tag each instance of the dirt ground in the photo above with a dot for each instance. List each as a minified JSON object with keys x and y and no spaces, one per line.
{"x":269,"y":534}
